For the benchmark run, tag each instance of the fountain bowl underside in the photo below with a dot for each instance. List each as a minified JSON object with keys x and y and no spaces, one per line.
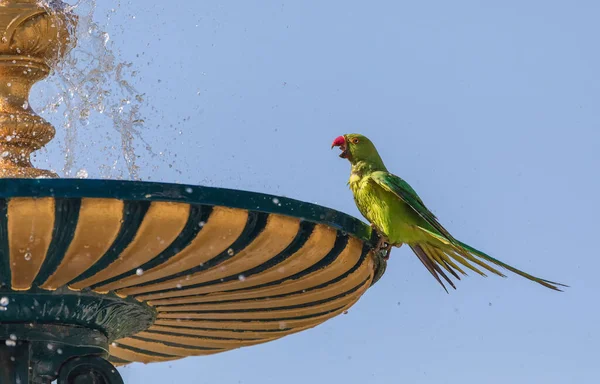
{"x":167,"y":271}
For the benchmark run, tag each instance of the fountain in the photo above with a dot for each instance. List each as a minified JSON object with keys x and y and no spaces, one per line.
{"x":100,"y":273}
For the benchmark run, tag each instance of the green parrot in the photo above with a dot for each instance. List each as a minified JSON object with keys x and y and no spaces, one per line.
{"x":399,"y":216}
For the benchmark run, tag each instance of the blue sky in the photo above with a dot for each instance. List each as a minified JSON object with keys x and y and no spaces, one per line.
{"x":488,"y":109}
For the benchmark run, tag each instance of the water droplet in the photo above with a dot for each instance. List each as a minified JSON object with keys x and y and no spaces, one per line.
{"x":242,"y":278}
{"x":189,"y":190}
{"x":179,"y":286}
{"x":59,"y":351}
{"x":139,"y":272}
{"x":11,"y":343}
{"x":50,"y":346}
{"x":230,"y":252}
{"x":275,"y":201}
{"x":201,"y":224}
{"x":4,"y":301}
{"x":27,"y":256}
{"x":282,"y":325}
{"x":82,"y":174}
{"x":13,"y":336}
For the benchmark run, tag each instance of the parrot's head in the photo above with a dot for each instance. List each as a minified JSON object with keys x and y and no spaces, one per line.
{"x":356,"y":147}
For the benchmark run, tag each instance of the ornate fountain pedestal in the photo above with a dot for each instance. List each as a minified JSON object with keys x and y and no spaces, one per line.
{"x":97,"y":272}
{"x":38,"y":353}
{"x":31,"y":41}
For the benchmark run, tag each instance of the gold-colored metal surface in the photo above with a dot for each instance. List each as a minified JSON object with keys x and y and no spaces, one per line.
{"x":318,"y":245}
{"x":224,"y":334}
{"x":222,"y":229}
{"x":250,"y":325}
{"x":30,"y":227}
{"x":202,"y":342}
{"x":315,"y":295}
{"x":347,"y":259}
{"x":267,"y":314}
{"x":277,"y":235}
{"x":94,"y":235}
{"x":130,"y":355}
{"x":161,"y":226}
{"x":32,"y":40}
{"x":159,"y":347}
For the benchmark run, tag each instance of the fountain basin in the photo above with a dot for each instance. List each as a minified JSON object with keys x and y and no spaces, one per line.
{"x":199,"y":270}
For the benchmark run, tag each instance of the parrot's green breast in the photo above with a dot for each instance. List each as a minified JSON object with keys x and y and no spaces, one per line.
{"x":389,"y":214}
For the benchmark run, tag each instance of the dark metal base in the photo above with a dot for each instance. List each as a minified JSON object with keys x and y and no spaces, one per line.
{"x":40,"y":354}
{"x":88,"y":370}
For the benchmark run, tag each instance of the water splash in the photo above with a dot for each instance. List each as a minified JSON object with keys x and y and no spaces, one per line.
{"x":91,"y":82}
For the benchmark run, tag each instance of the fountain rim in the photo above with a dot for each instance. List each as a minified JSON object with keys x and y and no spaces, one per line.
{"x":189,"y":194}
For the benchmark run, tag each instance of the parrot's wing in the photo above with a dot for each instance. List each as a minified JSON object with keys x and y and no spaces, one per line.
{"x":404,"y":191}
{"x":433,"y":256}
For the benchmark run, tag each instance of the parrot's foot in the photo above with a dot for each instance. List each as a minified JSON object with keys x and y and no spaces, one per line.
{"x":381,"y":244}
{"x":388,"y":250}
{"x":385,"y":246}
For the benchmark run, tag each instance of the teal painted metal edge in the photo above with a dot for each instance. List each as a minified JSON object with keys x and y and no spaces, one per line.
{"x":192,"y":194}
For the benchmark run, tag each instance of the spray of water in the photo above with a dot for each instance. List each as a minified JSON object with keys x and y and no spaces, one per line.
{"x":91,"y":81}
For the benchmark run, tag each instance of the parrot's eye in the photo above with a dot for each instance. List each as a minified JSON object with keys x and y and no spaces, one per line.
{"x":355,"y":141}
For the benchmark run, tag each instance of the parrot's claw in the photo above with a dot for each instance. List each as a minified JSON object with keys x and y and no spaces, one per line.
{"x":383,"y":246}
{"x":388,"y":250}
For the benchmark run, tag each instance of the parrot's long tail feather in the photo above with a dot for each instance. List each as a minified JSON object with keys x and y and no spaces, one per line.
{"x":546,"y":283}
{"x":440,"y":252}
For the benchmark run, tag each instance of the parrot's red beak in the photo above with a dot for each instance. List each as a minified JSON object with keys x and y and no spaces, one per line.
{"x":340,"y":141}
